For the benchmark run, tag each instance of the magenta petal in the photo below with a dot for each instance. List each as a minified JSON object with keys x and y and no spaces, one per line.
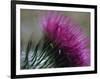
{"x":68,"y":36}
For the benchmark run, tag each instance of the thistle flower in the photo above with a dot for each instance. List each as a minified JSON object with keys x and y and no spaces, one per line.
{"x":68,"y":36}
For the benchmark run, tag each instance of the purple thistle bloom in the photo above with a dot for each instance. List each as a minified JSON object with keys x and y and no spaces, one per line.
{"x":67,"y":36}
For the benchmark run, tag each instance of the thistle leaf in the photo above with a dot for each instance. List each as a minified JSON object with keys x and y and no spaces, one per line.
{"x":43,"y":55}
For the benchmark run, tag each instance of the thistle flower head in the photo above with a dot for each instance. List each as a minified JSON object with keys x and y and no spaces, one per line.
{"x":68,"y":36}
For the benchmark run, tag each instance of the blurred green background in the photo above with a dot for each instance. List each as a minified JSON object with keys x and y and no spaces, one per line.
{"x":30,"y":23}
